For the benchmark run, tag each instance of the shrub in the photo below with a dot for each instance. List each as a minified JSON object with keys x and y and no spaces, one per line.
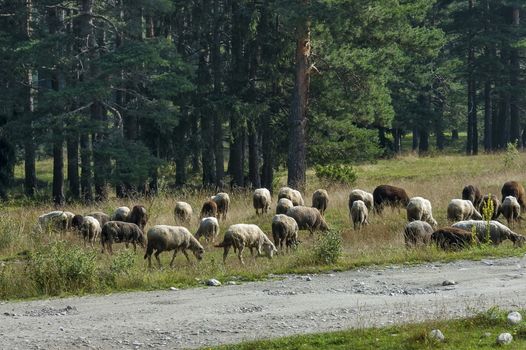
{"x":511,"y":157}
{"x":344,"y":174}
{"x":122,"y":261}
{"x":328,"y":248}
{"x":62,"y":267}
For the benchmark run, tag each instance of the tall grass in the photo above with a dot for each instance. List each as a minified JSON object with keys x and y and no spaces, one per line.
{"x":35,"y":265}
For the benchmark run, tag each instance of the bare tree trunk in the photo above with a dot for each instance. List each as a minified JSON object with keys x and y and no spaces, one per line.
{"x":472,"y":109}
{"x":488,"y":142}
{"x":85,"y":167}
{"x":515,"y":122}
{"x":218,"y":75}
{"x":296,"y":163}
{"x":73,"y":164}
{"x":415,"y":139}
{"x":423,"y":145}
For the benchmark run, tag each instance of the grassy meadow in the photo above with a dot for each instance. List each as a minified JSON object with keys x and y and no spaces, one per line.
{"x":36,"y":265}
{"x":479,"y":332}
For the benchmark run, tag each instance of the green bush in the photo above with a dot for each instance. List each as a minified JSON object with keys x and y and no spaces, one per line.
{"x":344,"y":174}
{"x":512,"y":156}
{"x":328,"y":248}
{"x":62,"y":267}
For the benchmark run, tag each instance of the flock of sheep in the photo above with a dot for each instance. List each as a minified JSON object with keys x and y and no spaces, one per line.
{"x":127,"y":226}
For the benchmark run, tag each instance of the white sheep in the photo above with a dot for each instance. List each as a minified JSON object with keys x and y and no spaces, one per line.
{"x":182,"y":213}
{"x":56,"y":220}
{"x":294,"y":196}
{"x":90,"y":229}
{"x":511,"y":210}
{"x":284,"y":230}
{"x":120,"y":214}
{"x":222,"y":200}
{"x":240,"y":236}
{"x":364,"y":196}
{"x":70,"y":217}
{"x":359,"y":214}
{"x":497,"y":231}
{"x":261,"y":200}
{"x":177,"y":238}
{"x":208,"y":228}
{"x":462,"y":209}
{"x":417,"y":233}
{"x":283,"y":205}
{"x":419,"y":208}
{"x":320,"y":200}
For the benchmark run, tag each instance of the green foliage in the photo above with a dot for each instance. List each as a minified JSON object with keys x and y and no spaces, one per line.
{"x":511,"y":157}
{"x":62,"y":267}
{"x":336,"y":173}
{"x":328,"y":248}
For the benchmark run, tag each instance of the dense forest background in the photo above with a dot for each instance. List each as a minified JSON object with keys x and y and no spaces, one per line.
{"x":223,"y":92}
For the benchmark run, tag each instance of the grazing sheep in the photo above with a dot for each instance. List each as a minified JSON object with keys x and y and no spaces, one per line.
{"x":389,"y":195}
{"x":120,"y":231}
{"x":359,"y":214}
{"x":320,"y":200}
{"x":511,"y":210}
{"x":283,"y":205}
{"x":417,"y":233}
{"x":308,"y":218}
{"x":70,"y":217}
{"x":462,"y":209}
{"x":473,"y":194}
{"x":56,"y":220}
{"x":177,"y":238}
{"x":453,"y":238}
{"x":208,"y":228}
{"x":101,"y":217}
{"x":497,"y":231}
{"x":496,"y":205}
{"x":261,"y":200}
{"x":90,"y":229}
{"x":363,"y":196}
{"x":138,"y":216}
{"x":120,"y":214}
{"x":240,"y":236}
{"x":77,"y":221}
{"x":209,"y":209}
{"x":182,"y":213}
{"x":223,"y":203}
{"x":284,"y":229}
{"x":419,"y":208}
{"x":515,"y":189}
{"x":293,"y":195}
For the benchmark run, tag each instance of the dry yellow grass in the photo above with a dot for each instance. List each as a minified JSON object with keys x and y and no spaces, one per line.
{"x":438,"y":179}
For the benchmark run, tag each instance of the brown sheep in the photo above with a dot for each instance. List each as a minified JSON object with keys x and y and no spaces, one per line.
{"x":320,"y":200}
{"x":496,"y":205}
{"x":453,"y":238}
{"x":222,"y":200}
{"x":515,"y":189}
{"x":209,"y":209}
{"x":473,"y":194}
{"x":389,"y":195}
{"x":308,"y":218}
{"x":138,"y":216}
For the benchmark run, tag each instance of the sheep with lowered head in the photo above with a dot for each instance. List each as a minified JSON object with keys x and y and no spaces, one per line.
{"x":419,"y":208}
{"x":209,"y":209}
{"x":320,"y":200}
{"x":497,"y":231}
{"x":121,"y":232}
{"x":496,"y":205}
{"x":453,"y":238}
{"x":183,"y":213}
{"x":294,"y":195}
{"x":283,"y":205}
{"x":90,"y":229}
{"x":473,"y":194}
{"x":462,"y":209}
{"x":222,"y":200}
{"x":284,"y":230}
{"x":240,"y":236}
{"x":102,"y":218}
{"x":392,"y":196}
{"x":261,"y":200}
{"x":515,"y":189}
{"x":120,"y":214}
{"x":138,"y":216}
{"x":363,"y":196}
{"x":208,"y":228}
{"x":359,"y":214}
{"x":511,"y":210}
{"x":56,"y":220}
{"x":177,"y":238}
{"x":308,"y":218}
{"x":417,"y":233}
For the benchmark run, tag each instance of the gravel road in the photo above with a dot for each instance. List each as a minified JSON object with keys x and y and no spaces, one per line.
{"x":209,"y":316}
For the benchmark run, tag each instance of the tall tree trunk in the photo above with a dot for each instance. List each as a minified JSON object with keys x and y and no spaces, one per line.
{"x":267,"y":171}
{"x":471,"y":93}
{"x":73,"y":164}
{"x":253,"y":156}
{"x":100,"y":158}
{"x":85,"y":167}
{"x":397,"y":140}
{"x":296,"y":162}
{"x":181,"y":149}
{"x":423,"y":145}
{"x":515,"y":122}
{"x":488,"y":112}
{"x":415,"y":139}
{"x":218,"y":76}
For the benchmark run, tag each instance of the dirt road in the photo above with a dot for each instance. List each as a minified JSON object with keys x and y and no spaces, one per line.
{"x":233,"y":313}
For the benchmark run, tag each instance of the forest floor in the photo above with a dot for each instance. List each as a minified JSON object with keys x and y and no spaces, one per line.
{"x":284,"y":306}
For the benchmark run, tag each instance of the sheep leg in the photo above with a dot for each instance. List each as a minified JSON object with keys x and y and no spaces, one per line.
{"x":239,"y":254}
{"x":134,"y":247}
{"x":225,"y":253}
{"x":156,"y":258}
{"x":186,"y":254}
{"x":173,"y":258}
{"x":252,"y":251}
